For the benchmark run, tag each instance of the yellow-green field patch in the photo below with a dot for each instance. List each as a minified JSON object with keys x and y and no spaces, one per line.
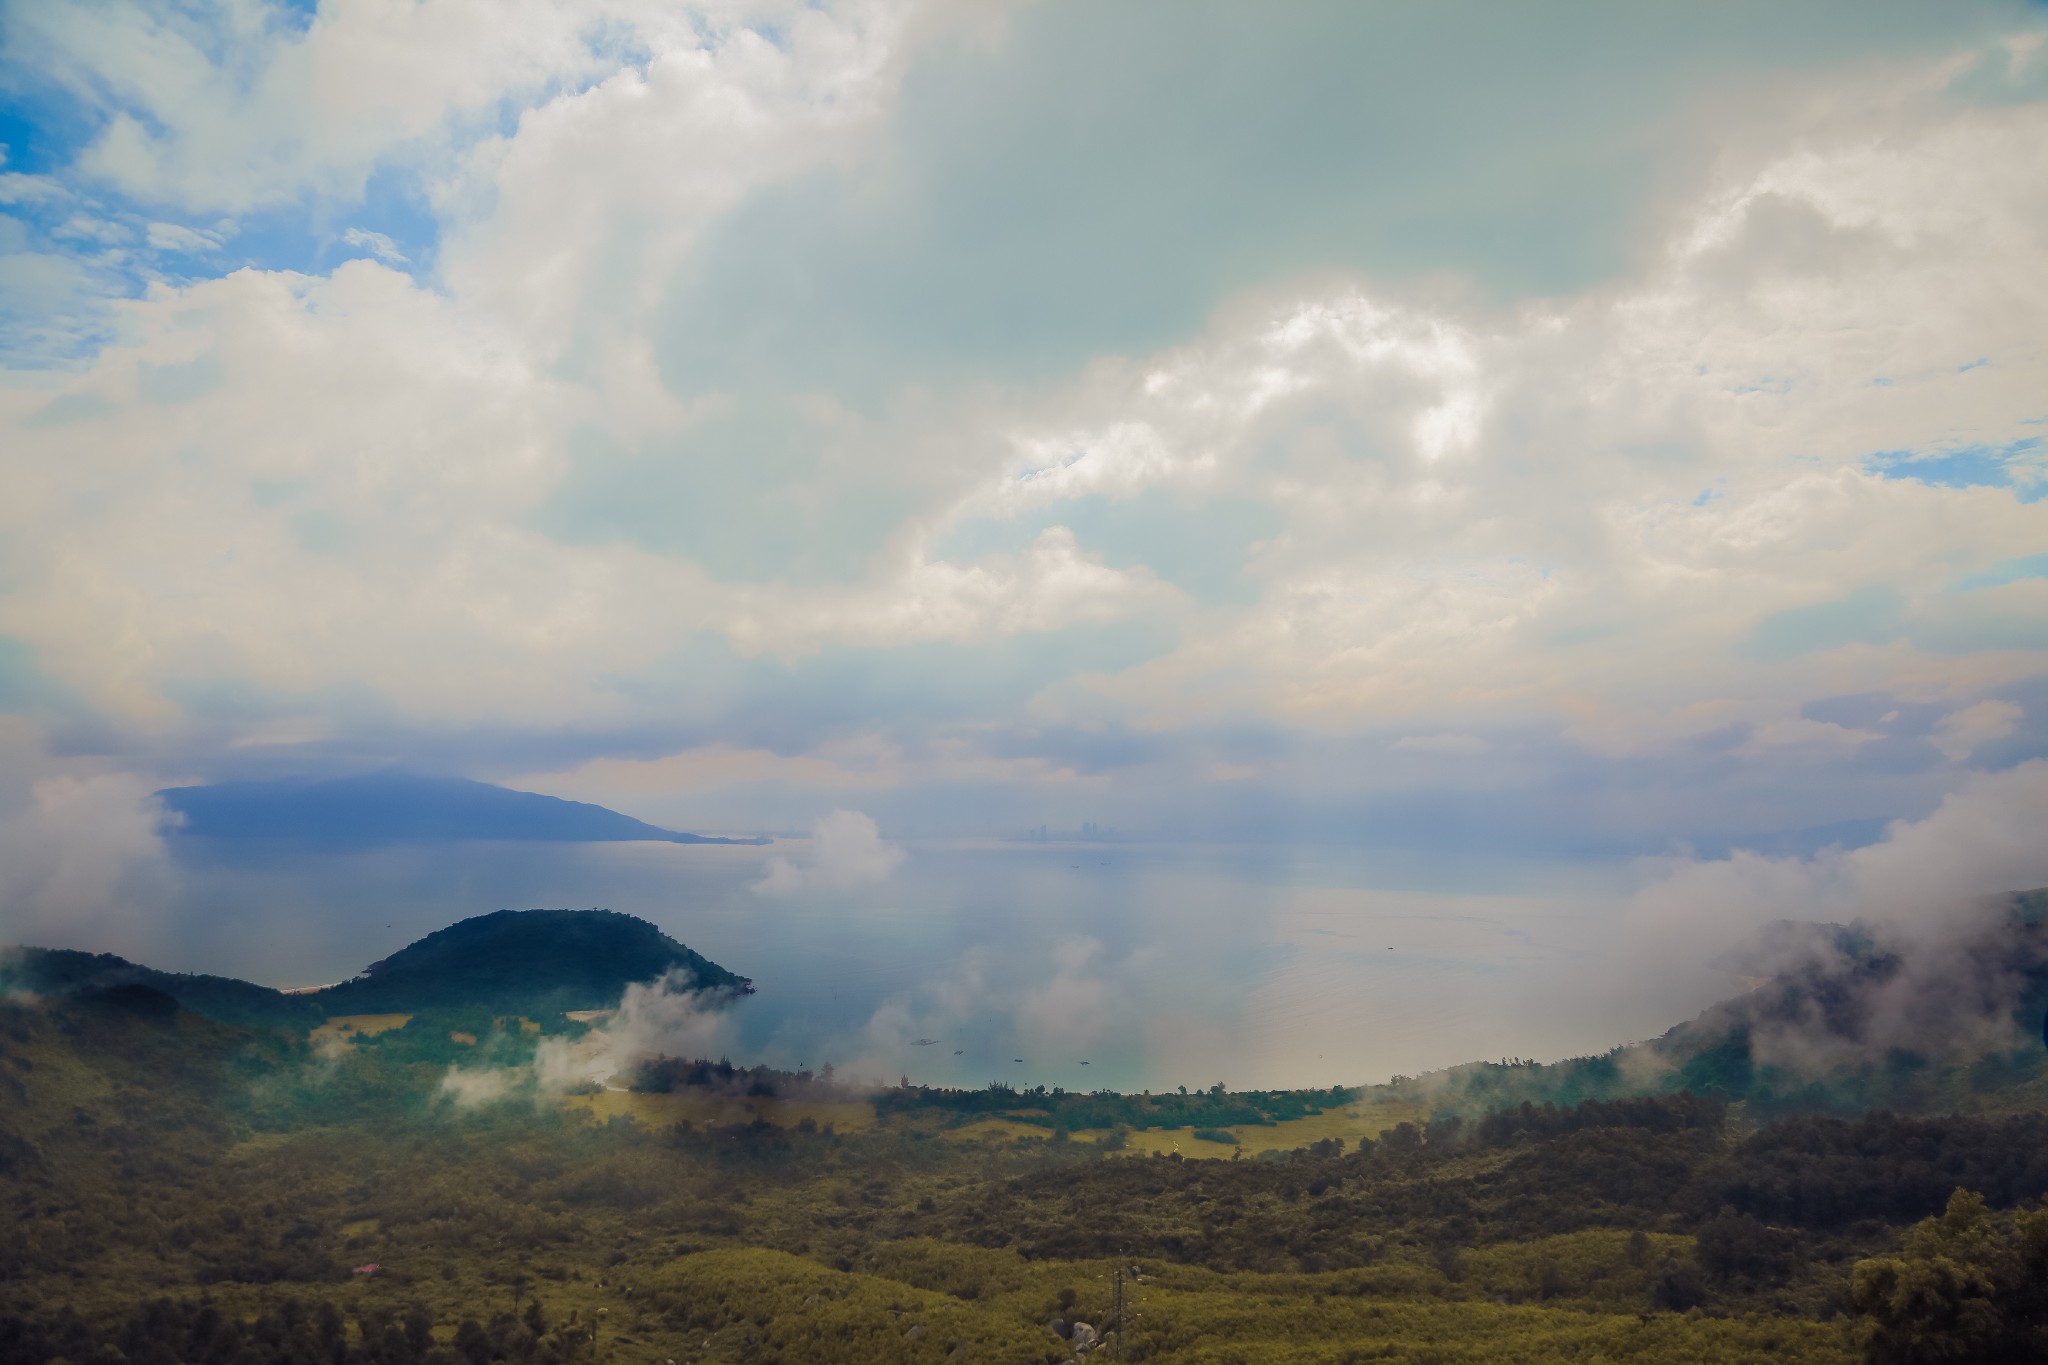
{"x":996,"y":1130}
{"x":1365,"y":1120}
{"x":660,"y":1111}
{"x":346,"y":1026}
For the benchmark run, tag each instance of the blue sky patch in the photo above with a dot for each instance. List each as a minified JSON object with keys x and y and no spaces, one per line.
{"x":2017,"y":466}
{"x":391,"y":223}
{"x":42,"y":126}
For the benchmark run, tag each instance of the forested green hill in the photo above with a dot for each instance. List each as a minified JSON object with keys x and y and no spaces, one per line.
{"x":530,"y":962}
{"x":180,"y":1189}
{"x":533,"y":961}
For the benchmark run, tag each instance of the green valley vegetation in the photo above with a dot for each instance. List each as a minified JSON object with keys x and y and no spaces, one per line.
{"x":534,"y":961}
{"x":539,"y":961}
{"x":185,"y":1188}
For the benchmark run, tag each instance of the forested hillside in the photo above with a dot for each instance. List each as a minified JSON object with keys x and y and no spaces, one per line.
{"x":181,"y":1189}
{"x":534,"y":961}
{"x":537,"y":962}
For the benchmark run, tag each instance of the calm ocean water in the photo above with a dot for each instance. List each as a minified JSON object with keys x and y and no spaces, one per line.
{"x":1080,"y":965}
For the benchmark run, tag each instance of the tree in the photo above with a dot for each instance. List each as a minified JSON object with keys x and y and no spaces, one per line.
{"x":1967,"y":1287}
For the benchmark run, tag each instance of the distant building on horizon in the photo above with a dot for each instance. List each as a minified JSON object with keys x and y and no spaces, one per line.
{"x":1088,"y":833}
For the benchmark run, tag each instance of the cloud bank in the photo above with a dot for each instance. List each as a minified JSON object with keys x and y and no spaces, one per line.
{"x":712,"y":409}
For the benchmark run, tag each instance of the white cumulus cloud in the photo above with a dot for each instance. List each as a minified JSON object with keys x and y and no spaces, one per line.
{"x":376,"y":243}
{"x":846,"y":850}
{"x":176,"y":237}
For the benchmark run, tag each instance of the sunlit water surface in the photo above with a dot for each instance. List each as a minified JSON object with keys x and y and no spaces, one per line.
{"x":1156,"y":966}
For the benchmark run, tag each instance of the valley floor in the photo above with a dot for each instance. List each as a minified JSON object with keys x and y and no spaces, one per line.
{"x":180,"y":1191}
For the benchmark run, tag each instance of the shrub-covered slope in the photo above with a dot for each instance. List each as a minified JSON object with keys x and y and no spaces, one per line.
{"x":527,"y":960}
{"x":514,"y":961}
{"x":65,"y":972}
{"x":232,"y":1196}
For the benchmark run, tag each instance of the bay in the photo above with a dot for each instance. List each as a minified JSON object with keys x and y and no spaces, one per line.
{"x":1129,"y":966}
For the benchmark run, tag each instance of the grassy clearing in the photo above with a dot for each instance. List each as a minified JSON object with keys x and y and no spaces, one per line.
{"x":342,"y":1027}
{"x":996,"y":1130}
{"x":919,"y":1300}
{"x":704,"y":1108}
{"x":1367,"y":1119}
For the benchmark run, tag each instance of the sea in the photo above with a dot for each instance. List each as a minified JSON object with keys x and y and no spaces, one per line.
{"x":1078,"y":965}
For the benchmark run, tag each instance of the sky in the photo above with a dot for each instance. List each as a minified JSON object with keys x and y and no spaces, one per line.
{"x":1598,"y":431}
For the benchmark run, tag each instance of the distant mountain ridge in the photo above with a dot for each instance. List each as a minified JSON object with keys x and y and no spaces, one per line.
{"x":373,"y":809}
{"x":513,"y":961}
